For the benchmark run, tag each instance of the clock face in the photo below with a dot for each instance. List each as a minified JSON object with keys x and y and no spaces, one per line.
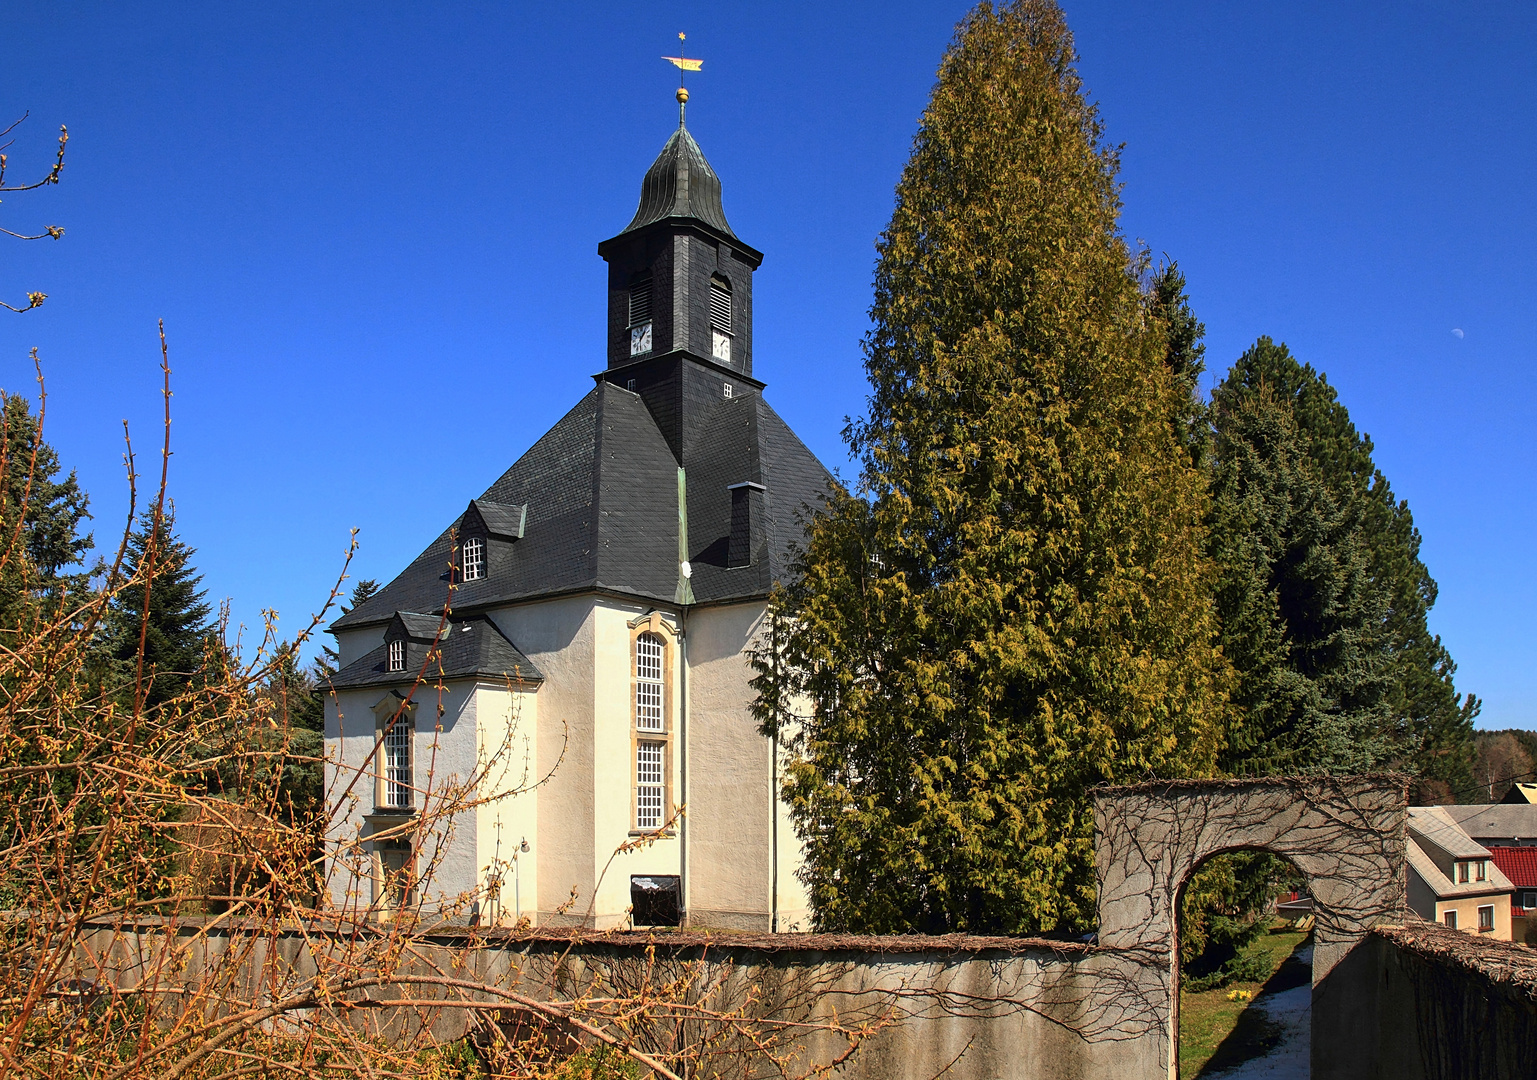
{"x":722,"y":346}
{"x":640,"y":339}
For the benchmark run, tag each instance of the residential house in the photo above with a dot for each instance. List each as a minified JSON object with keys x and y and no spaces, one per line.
{"x":1497,"y":824}
{"x":1519,"y":864}
{"x":1453,"y":879}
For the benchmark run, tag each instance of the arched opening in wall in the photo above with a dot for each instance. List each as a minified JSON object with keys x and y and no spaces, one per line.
{"x":1244,"y":968}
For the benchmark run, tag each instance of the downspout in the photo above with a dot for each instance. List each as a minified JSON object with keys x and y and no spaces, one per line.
{"x":684,"y":596}
{"x":774,"y":833}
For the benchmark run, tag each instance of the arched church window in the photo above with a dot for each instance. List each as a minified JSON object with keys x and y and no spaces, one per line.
{"x":649,"y":685}
{"x":472,"y":561}
{"x":720,"y":319}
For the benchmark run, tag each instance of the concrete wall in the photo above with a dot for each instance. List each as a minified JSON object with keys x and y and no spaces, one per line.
{"x":1441,"y":1005}
{"x":1346,"y":834}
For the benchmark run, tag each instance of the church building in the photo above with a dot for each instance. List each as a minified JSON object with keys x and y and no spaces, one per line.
{"x":604,"y":595}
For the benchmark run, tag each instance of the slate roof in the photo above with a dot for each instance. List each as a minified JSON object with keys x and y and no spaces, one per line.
{"x":468,"y":648}
{"x":680,"y":184}
{"x":601,"y":492}
{"x":1431,"y":824}
{"x":1496,"y":821}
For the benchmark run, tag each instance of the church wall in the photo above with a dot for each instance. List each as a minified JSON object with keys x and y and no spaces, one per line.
{"x":558,"y":636}
{"x":613,"y":772}
{"x":732,"y":796}
{"x":507,"y":730}
{"x":444,"y":752}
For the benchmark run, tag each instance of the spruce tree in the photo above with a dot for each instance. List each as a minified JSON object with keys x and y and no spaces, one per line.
{"x":44,"y":513}
{"x":1015,"y":606}
{"x":1324,"y":596}
{"x":177,"y":632}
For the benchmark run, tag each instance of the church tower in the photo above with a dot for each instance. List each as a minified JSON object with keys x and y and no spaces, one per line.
{"x":680,"y":293}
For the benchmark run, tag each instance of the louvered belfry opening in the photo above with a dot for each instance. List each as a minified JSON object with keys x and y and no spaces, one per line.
{"x":640,"y":300}
{"x":720,"y":320}
{"x":720,"y":305}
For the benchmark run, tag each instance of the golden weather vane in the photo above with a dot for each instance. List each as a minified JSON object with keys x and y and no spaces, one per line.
{"x":682,"y":63}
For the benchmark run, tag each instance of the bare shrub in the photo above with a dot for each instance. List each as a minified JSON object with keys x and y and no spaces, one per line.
{"x":163,"y":892}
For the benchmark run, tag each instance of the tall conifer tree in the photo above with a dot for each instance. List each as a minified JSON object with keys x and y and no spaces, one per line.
{"x":44,"y":512}
{"x":1324,"y":595}
{"x":1019,"y":607}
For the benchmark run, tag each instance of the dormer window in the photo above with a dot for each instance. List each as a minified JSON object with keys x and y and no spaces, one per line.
{"x":720,"y":320}
{"x":640,"y":315}
{"x":472,"y":561}
{"x":396,"y":655}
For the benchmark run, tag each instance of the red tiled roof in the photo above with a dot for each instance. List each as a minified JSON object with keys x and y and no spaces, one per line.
{"x":1517,"y":863}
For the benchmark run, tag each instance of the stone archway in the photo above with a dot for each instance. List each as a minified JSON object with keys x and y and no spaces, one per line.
{"x":1346,"y":834}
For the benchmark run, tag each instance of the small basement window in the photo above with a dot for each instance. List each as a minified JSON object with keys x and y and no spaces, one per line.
{"x":655,"y":900}
{"x":473,"y":559}
{"x":397,"y":655}
{"x":1486,"y":919}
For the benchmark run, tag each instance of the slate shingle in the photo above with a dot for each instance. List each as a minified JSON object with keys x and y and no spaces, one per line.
{"x":601,"y":491}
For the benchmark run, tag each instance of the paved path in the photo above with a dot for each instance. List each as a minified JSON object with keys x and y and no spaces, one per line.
{"x":1292,"y":1011}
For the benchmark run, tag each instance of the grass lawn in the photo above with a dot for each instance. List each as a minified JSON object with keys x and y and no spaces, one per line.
{"x":1207,"y":1018}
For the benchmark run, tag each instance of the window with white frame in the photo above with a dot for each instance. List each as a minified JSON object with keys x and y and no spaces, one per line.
{"x":1486,"y":918}
{"x":1449,"y":919}
{"x":472,"y":561}
{"x":649,"y":781}
{"x":397,"y":655}
{"x":650,"y":690}
{"x":397,"y":764}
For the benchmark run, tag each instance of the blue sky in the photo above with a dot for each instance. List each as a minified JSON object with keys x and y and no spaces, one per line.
{"x":371,"y":231}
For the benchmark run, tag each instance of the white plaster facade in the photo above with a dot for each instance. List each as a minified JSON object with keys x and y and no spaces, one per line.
{"x":554,"y":765}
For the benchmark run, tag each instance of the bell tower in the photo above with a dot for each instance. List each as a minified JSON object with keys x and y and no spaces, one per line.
{"x":679,"y":280}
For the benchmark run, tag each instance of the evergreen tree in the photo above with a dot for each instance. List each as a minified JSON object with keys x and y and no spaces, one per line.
{"x":1184,"y":356}
{"x":1019,"y":608}
{"x":42,"y":512}
{"x":177,"y":632}
{"x":1324,"y":597}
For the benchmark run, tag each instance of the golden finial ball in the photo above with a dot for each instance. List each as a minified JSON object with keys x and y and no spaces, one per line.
{"x":682,"y":96}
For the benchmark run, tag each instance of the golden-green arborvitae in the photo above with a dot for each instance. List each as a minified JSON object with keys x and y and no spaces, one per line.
{"x":1018,"y":607}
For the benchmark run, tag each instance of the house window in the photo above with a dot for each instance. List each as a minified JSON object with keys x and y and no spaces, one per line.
{"x":649,"y":687}
{"x":1462,"y":873}
{"x":397,"y":763}
{"x":1486,"y":919}
{"x":1479,"y":870}
{"x":1450,"y":919}
{"x":397,"y":655}
{"x":1529,"y":900}
{"x":640,"y":316}
{"x":397,"y":868}
{"x":720,"y":319}
{"x":473,"y":561}
{"x":648,"y":783}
